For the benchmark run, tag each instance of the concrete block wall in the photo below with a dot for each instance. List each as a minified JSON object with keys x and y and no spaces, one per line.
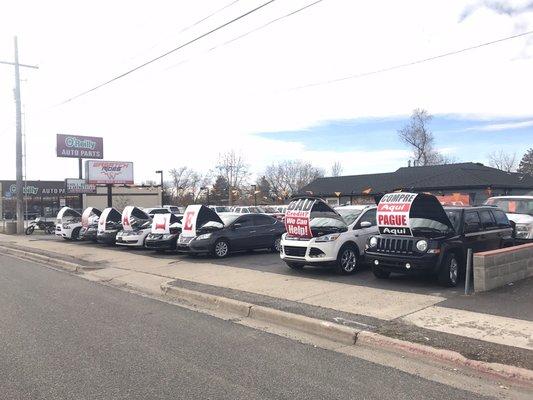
{"x":497,"y":268}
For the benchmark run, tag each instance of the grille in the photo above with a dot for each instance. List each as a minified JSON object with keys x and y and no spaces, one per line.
{"x":395,"y":245}
{"x":294,"y":251}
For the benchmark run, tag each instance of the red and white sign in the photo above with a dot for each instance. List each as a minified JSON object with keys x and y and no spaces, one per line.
{"x":85,"y":217}
{"x":298,"y":217}
{"x":393,"y":213}
{"x":126,"y":218}
{"x":103,"y":219}
{"x":189,"y":220}
{"x":109,"y":172}
{"x":161,"y":223}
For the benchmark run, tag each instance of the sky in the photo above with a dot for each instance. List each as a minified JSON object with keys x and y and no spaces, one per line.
{"x":271,"y":95}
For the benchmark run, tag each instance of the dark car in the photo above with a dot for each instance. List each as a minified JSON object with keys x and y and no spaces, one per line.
{"x":89,"y":224}
{"x":109,"y":224}
{"x":167,"y":240}
{"x":220,"y":234}
{"x":436,"y":239}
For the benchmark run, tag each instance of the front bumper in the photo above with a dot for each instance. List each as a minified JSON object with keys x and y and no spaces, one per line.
{"x":158,"y":243}
{"x":87,"y":234}
{"x":106,"y":237}
{"x":191,"y":245}
{"x":309,"y":251}
{"x":426,"y":263}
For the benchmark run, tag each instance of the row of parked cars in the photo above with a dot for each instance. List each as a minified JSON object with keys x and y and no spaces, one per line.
{"x":404,"y":233}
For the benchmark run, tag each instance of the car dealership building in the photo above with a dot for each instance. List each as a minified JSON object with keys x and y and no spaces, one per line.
{"x":461,"y":183}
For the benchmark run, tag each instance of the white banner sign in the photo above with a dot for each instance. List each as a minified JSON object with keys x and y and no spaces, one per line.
{"x":161,"y":223}
{"x":189,"y":221}
{"x":103,"y":219}
{"x":126,"y":218}
{"x":393,"y":213}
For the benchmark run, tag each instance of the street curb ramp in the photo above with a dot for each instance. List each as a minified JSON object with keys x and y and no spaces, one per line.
{"x":343,"y":334}
{"x":41,"y":258}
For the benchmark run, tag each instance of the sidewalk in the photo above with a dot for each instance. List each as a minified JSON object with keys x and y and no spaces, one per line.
{"x":429,"y":319}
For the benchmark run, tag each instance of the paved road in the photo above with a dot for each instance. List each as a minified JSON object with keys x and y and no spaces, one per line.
{"x":66,"y":338}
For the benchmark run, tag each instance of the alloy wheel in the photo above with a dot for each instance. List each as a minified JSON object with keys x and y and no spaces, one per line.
{"x":221,"y":249}
{"x":454,"y":270}
{"x":277,"y":244}
{"x":348,"y":260}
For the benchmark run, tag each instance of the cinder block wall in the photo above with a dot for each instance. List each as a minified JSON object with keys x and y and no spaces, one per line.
{"x":497,"y":268}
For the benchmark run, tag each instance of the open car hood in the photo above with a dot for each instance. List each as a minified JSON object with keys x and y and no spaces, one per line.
{"x":134,"y":218}
{"x":396,"y":210}
{"x":90,"y":216}
{"x":196,"y":216}
{"x":68,"y":214}
{"x":109,"y":214}
{"x":302,"y":210}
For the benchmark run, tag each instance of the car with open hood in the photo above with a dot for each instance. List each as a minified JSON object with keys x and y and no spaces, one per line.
{"x":320,"y":235}
{"x":418,"y":235}
{"x":109,"y":224}
{"x":165,"y":231}
{"x":68,"y":223}
{"x":136,"y":226}
{"x":519,"y":209}
{"x":89,"y":224}
{"x":205,"y":231}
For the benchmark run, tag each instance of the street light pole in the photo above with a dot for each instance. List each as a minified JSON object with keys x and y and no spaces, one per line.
{"x":254,"y":188}
{"x":162,"y":188}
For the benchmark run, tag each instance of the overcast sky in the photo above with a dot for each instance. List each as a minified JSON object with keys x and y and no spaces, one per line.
{"x":247,"y":95}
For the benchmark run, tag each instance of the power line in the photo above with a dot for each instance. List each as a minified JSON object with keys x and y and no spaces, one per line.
{"x":169,"y":52}
{"x":411,"y":63}
{"x":252,"y":31}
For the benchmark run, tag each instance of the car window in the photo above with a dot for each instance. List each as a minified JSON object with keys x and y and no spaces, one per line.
{"x":245,"y":210}
{"x":369,"y":216}
{"x":263,"y":220}
{"x":487,"y":221}
{"x":160,"y":211}
{"x":501,"y":219}
{"x":245,"y":221}
{"x":472,"y":221}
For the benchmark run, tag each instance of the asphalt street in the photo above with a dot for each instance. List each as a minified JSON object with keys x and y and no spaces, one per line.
{"x":63,"y":337}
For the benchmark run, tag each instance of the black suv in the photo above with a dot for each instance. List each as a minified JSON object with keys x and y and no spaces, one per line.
{"x":439,"y":241}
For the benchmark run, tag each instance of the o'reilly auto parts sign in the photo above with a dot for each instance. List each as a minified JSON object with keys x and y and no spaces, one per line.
{"x":80,"y":146}
{"x":109,"y":172}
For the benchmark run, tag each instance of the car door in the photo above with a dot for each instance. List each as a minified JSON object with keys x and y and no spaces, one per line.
{"x":363,"y":232}
{"x":505,"y":229}
{"x":265,"y":230}
{"x":490,"y":237}
{"x":243,"y":233}
{"x":472,"y":231}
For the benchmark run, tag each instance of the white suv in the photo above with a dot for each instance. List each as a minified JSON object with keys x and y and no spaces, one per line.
{"x":339,"y":238}
{"x":519,"y":209}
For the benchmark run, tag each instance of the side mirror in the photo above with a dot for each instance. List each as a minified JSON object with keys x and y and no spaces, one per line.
{"x":366,"y":224}
{"x":236,"y":225}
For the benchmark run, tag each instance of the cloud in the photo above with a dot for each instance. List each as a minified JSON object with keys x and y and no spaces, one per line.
{"x":505,"y":126}
{"x":499,"y":7}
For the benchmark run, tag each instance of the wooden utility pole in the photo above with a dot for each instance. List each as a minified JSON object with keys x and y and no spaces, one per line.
{"x":20,"y":194}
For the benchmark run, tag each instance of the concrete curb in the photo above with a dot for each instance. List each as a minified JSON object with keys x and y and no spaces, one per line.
{"x":54,"y":262}
{"x":343,"y":334}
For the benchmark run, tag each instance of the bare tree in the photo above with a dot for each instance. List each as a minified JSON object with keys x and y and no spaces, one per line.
{"x":187,"y":184}
{"x":505,"y":161}
{"x":234,"y":169}
{"x":417,"y":135}
{"x":336,"y":169}
{"x":286,"y":178}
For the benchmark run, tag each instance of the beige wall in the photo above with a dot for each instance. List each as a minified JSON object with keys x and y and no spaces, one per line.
{"x":140,"y":196}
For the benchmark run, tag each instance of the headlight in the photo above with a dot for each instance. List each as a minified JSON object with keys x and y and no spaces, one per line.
{"x":327,"y":238}
{"x":204,"y":236}
{"x":422,"y":245}
{"x":66,"y":226}
{"x":166,"y":236}
{"x":373,"y":242}
{"x":523,"y":230}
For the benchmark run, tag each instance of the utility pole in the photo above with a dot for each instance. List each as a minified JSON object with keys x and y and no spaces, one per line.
{"x":19,"y":185}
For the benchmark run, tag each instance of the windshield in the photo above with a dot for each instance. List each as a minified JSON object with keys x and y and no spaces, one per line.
{"x":330,"y":223}
{"x":348,"y":215}
{"x":228,"y":219}
{"x":455,"y":218}
{"x":428,"y":227}
{"x":515,"y":205}
{"x":222,"y":209}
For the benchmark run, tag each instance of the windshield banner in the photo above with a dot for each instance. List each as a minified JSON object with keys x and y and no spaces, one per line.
{"x":189,"y":220}
{"x":393,"y":214}
{"x":297,"y":218}
{"x":161,"y":223}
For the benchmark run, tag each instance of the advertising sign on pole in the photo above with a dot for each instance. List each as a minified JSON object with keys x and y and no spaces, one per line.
{"x":393,"y":214}
{"x":109,"y":172}
{"x":297,"y":218}
{"x":79,"y":186}
{"x":74,"y":146}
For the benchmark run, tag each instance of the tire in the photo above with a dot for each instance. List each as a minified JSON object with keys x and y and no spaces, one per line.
{"x":50,"y":231}
{"x":449,"y":271}
{"x":347,"y":260}
{"x":29,"y":230}
{"x":75,"y":234}
{"x":380,"y":273}
{"x":294,"y":265}
{"x":276,"y":246}
{"x":221,"y":248}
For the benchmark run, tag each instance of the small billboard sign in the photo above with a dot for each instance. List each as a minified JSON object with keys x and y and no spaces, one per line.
{"x":109,"y":172}
{"x":79,"y":186}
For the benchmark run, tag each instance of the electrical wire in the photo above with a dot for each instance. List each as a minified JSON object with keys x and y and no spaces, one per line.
{"x":168,"y":52}
{"x":411,"y":63}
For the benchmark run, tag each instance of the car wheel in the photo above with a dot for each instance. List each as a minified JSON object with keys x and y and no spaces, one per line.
{"x":29,"y":230}
{"x":449,"y":271}
{"x":380,"y":273}
{"x":294,"y":265}
{"x":276,"y":246}
{"x":75,"y":234}
{"x":347,"y":260}
{"x":221,"y":248}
